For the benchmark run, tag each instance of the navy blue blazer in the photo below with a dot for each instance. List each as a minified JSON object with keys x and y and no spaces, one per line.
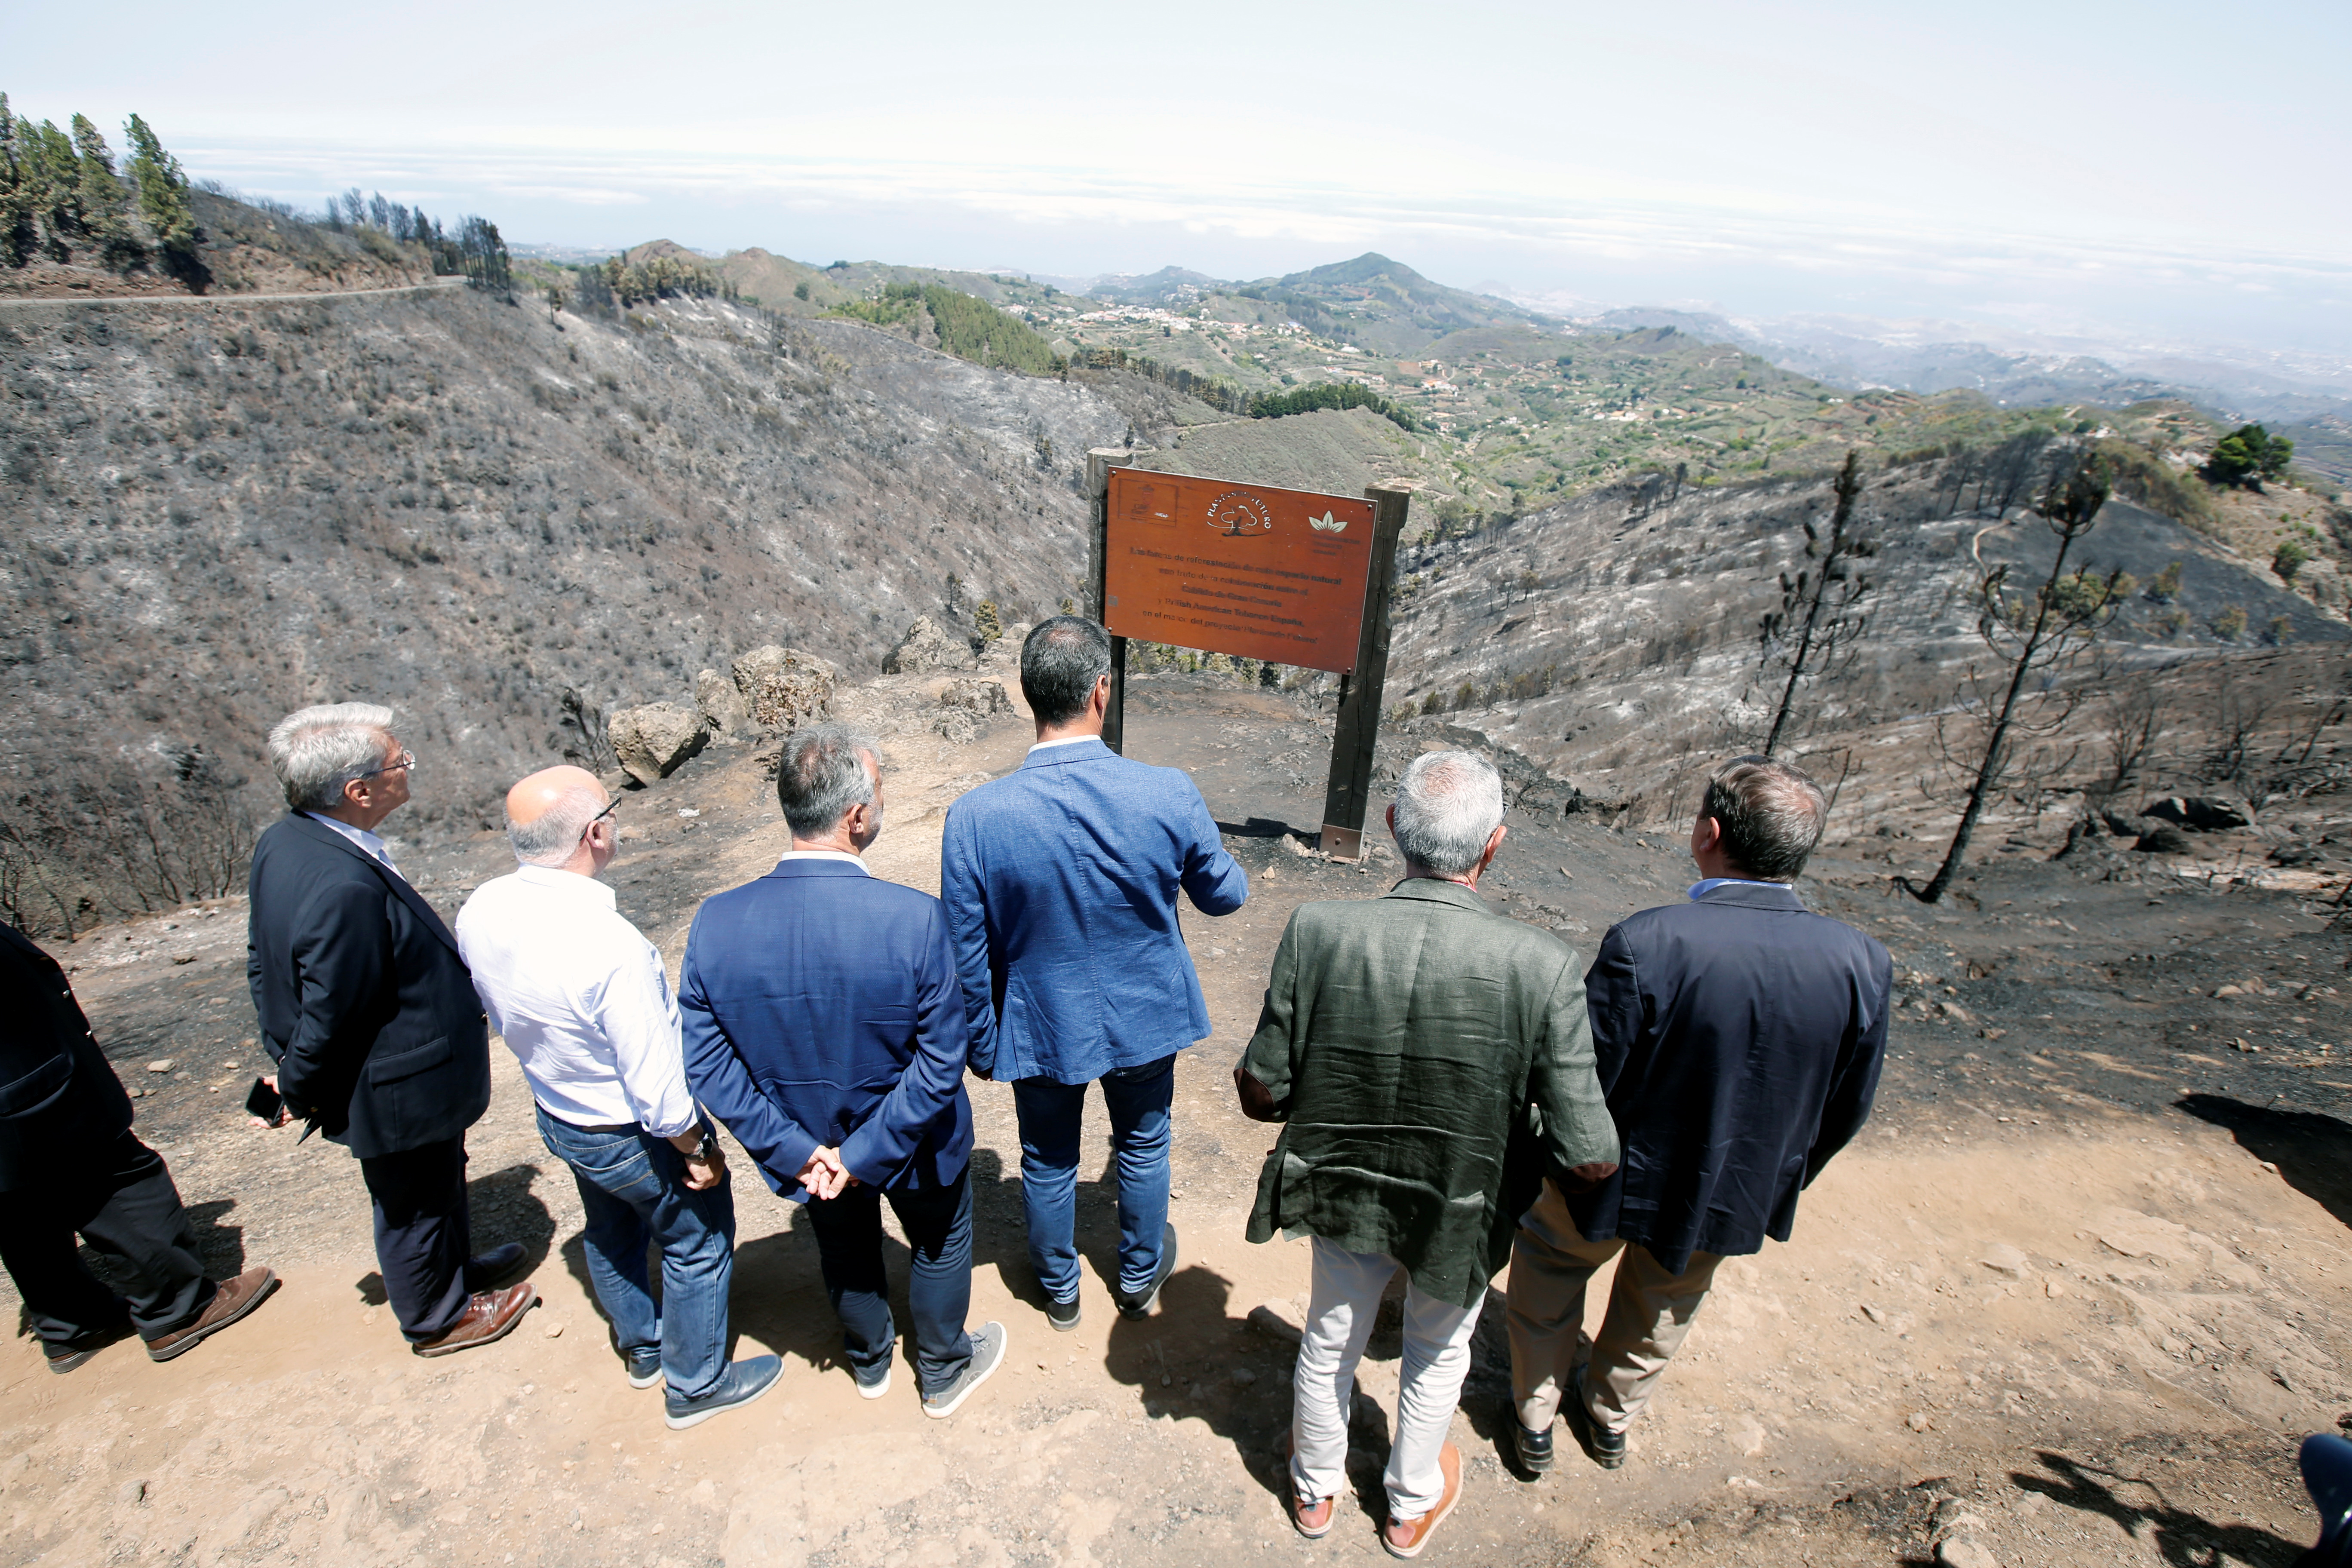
{"x":58,"y":1094}
{"x":822,"y":1009}
{"x":1061,"y":879}
{"x":364,"y":1004}
{"x":1739,"y":1038}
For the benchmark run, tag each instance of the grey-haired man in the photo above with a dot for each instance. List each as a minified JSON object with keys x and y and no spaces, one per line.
{"x":370,"y":1014}
{"x":1425,"y":1057}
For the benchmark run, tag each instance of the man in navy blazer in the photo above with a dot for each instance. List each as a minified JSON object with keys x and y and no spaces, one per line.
{"x":371,"y":1018}
{"x":1738,"y":1038}
{"x":825,"y":1029}
{"x":1060,"y":881}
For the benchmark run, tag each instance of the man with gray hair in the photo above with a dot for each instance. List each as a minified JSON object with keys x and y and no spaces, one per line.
{"x":825,"y":1027}
{"x":1739,"y":1038}
{"x":367,"y":1009}
{"x":580,"y":997}
{"x":1427,"y":1059}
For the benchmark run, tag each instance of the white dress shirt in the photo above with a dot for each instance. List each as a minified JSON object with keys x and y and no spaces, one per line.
{"x":1065,"y":740}
{"x":370,"y":845}
{"x":857,"y":860}
{"x":581,"y":998}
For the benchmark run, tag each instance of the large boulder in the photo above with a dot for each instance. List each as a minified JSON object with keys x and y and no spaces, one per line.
{"x":653,"y":739}
{"x":925,"y":648}
{"x":783,"y":687}
{"x":1004,"y":653}
{"x":721,"y":705}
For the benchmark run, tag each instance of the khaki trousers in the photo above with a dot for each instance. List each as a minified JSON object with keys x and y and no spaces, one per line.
{"x":1650,"y":1313}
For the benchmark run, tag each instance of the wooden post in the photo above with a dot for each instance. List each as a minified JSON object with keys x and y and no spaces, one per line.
{"x":1099,"y":461}
{"x":1349,"y":796}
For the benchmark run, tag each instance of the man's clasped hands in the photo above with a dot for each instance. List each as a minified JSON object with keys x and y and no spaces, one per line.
{"x":825,"y":1175}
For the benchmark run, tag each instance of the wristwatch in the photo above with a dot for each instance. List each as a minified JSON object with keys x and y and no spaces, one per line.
{"x":708,"y":1149}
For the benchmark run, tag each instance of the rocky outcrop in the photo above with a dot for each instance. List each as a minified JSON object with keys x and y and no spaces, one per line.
{"x":783,"y":687}
{"x":717,"y":700}
{"x":925,"y":648}
{"x":653,"y":739}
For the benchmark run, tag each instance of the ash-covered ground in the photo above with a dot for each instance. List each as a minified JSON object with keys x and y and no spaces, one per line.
{"x":2072,"y":1297}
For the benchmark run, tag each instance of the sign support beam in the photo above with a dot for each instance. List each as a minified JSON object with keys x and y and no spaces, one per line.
{"x":1347,"y":796}
{"x":1100,"y":462}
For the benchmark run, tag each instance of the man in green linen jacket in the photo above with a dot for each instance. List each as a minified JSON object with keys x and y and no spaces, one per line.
{"x":1431,"y":1061}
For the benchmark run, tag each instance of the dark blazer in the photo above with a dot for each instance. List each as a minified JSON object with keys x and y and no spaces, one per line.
{"x":1739,"y":1038}
{"x":821,"y":1008}
{"x":59,"y":1093}
{"x":365,"y":1006}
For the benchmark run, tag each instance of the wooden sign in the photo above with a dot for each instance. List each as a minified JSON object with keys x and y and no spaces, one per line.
{"x":1245,"y":569}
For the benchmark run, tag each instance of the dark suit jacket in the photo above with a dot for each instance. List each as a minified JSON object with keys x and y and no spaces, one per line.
{"x":1739,"y":1038}
{"x":364,"y":1004}
{"x":822,"y":1007}
{"x":57,"y":1092}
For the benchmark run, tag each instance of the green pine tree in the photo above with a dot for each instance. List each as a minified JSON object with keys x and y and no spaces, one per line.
{"x":20,"y":232}
{"x":105,"y":204}
{"x":54,"y":184}
{"x":163,"y":202}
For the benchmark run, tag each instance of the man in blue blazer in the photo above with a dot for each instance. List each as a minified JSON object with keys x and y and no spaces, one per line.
{"x":1060,"y":881}
{"x":825,"y":1028}
{"x":1738,"y":1038}
{"x":371,"y":1015}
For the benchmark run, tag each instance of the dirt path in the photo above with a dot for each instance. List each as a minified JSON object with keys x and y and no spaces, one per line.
{"x":2024,"y":1309}
{"x":438,"y":283}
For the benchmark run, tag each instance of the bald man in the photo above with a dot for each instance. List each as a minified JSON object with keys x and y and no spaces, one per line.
{"x":581,"y":1000}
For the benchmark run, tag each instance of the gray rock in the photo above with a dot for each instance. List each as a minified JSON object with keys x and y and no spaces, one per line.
{"x":2197,"y":813}
{"x":653,"y":739}
{"x":1959,"y":1551}
{"x":720,"y":703}
{"x":957,"y":726}
{"x":2165,"y":839}
{"x":925,"y":648}
{"x":1004,"y":653}
{"x":783,"y":687}
{"x":985,"y":698}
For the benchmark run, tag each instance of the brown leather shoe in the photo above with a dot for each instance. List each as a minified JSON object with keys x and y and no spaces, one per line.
{"x":1406,"y":1538}
{"x":232,"y":1299}
{"x":489,"y":1315}
{"x":1311,"y":1520}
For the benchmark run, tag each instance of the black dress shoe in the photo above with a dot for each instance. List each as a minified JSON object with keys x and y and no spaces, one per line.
{"x":489,"y":1271}
{"x":1535,"y":1448}
{"x":74,"y":1352}
{"x":1606,"y":1450}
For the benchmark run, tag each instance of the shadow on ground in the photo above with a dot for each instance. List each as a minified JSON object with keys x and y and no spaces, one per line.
{"x":2189,"y":1540}
{"x":2311,"y":1151}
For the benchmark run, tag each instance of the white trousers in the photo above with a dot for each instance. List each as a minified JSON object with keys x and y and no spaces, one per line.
{"x":1346,"y":1300}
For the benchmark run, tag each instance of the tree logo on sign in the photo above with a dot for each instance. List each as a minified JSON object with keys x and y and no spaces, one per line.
{"x":1238,"y":513}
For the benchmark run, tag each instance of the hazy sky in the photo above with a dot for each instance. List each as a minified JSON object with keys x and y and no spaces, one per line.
{"x":2168,"y":171}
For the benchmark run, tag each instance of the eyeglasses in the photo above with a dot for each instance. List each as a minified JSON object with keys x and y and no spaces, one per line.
{"x":601,"y":815}
{"x":407,"y":760}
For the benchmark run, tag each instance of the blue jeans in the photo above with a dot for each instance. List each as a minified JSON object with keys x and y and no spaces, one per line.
{"x":937,"y":1223}
{"x":1137,"y":1098}
{"x":633,"y":1186}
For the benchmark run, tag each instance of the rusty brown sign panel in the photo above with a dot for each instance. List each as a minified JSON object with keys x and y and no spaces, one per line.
{"x":1245,"y":569}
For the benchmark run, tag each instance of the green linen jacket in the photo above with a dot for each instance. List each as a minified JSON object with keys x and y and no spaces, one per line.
{"x":1431,"y":1061}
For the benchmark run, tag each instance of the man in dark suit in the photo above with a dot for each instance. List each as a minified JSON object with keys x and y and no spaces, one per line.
{"x":70,"y":1163}
{"x":1739,"y":1039}
{"x":371,"y":1015}
{"x":1062,"y":880}
{"x":825,"y":1026}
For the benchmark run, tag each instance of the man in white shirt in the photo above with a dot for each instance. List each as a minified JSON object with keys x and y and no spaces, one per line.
{"x":580,"y":999}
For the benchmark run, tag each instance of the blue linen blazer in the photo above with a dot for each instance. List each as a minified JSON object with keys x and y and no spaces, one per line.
{"x":821,"y":1008}
{"x":1060,"y":881}
{"x":1739,"y":1038}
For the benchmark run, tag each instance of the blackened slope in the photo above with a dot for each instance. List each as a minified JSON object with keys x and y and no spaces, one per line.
{"x":214,"y":515}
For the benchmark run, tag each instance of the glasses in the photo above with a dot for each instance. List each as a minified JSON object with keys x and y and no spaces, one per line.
{"x":601,"y":815}
{"x":407,"y":760}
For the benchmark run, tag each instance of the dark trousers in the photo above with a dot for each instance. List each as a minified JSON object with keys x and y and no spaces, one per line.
{"x":120,"y":1197}
{"x":422,"y":1234}
{"x":937,"y":1223}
